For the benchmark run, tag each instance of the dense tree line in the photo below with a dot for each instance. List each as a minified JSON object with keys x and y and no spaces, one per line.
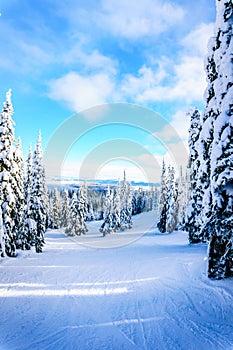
{"x":172,"y":200}
{"x":23,"y":208}
{"x":209,"y":217}
{"x":72,"y":208}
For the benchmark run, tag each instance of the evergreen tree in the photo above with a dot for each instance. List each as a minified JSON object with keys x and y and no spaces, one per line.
{"x":55,"y":209}
{"x":107,"y":225}
{"x":126,"y":204}
{"x":91,"y":214}
{"x":65,"y":203}
{"x":72,"y":228}
{"x":171,"y":213}
{"x":82,"y":210}
{"x":2,"y":233}
{"x":221,"y":179}
{"x":19,"y":195}
{"x":193,"y":219}
{"x":28,"y":176}
{"x":140,"y":201}
{"x":7,"y":180}
{"x":28,"y":236}
{"x":206,"y":139}
{"x":116,"y":210}
{"x":162,"y":208}
{"x":181,"y":200}
{"x":38,"y":195}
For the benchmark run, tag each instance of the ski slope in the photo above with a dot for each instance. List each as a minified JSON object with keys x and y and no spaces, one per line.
{"x":123,"y":291}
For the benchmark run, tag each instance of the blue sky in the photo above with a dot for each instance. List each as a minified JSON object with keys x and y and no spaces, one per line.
{"x":63,"y":57}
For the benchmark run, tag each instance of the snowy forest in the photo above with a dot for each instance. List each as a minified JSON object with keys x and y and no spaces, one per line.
{"x":199,"y":201}
{"x":94,"y":253}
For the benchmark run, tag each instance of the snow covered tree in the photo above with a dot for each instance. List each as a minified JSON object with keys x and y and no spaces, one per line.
{"x":193,"y":219}
{"x":2,"y":233}
{"x":116,"y":210}
{"x":82,"y":210}
{"x":72,"y":228}
{"x":28,"y":175}
{"x":19,"y":195}
{"x":221,"y":179}
{"x":126,"y":204}
{"x":171,"y":212}
{"x":181,"y":199}
{"x":65,"y":204}
{"x":37,"y":202}
{"x":162,"y":206}
{"x":78,"y":213}
{"x":55,"y":209}
{"x":28,"y":236}
{"x":140,"y":202}
{"x":7,"y":179}
{"x":107,"y":225}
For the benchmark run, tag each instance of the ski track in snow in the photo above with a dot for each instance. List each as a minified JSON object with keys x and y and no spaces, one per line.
{"x":148,"y":295}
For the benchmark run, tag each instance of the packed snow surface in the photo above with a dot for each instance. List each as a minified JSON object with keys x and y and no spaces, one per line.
{"x":123,"y":291}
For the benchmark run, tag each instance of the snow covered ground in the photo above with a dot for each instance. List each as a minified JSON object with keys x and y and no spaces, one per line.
{"x":144,"y":292}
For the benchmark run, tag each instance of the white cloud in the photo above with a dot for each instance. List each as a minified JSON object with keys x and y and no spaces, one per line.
{"x":187,"y":83}
{"x":176,"y":129}
{"x":138,"y":19}
{"x":190,"y":80}
{"x":81,"y":92}
{"x":196,"y":41}
{"x":166,"y":81}
{"x":162,"y":81}
{"x":89,"y":60}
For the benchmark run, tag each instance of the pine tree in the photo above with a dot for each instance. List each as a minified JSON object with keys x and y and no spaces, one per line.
{"x":116,"y":210}
{"x":55,"y":209}
{"x":38,"y":195}
{"x":2,"y":233}
{"x":28,"y":175}
{"x":206,"y":141}
{"x":162,"y":208}
{"x":65,"y":204}
{"x":28,"y":236}
{"x":72,"y":228}
{"x":171,"y":213}
{"x":107,"y":225}
{"x":181,"y":200}
{"x":221,"y":179}
{"x":7,"y":180}
{"x":19,"y":195}
{"x":126,"y":204}
{"x":140,"y":201}
{"x":193,"y":219}
{"x":82,"y":210}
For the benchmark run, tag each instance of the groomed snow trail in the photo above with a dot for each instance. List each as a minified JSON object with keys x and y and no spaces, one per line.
{"x":146,"y":292}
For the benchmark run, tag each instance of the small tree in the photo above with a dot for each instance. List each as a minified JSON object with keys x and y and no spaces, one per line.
{"x":126,"y":204}
{"x":72,"y":228}
{"x":38,"y":197}
{"x":28,"y":236}
{"x":107,"y":225}
{"x":116,"y":210}
{"x":19,"y":195}
{"x":171,"y":212}
{"x":65,"y":204}
{"x":82,"y":210}
{"x":55,"y":209}
{"x":162,"y":208}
